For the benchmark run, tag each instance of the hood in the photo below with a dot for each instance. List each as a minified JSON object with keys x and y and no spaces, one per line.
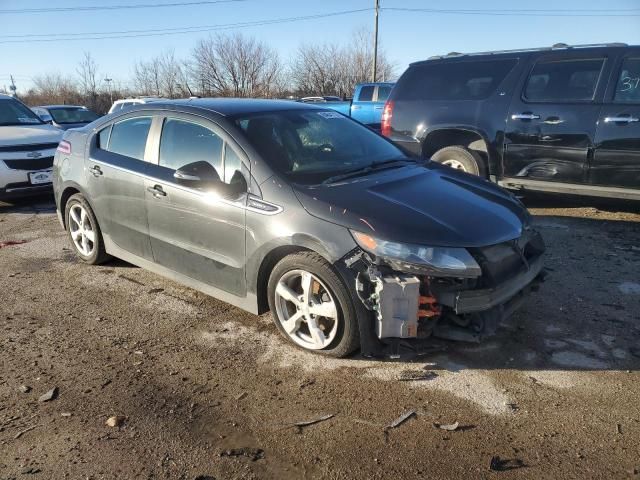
{"x":434,"y":206}
{"x":29,"y":134}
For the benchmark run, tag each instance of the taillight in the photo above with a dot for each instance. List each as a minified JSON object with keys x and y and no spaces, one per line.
{"x":387,"y":113}
{"x":64,"y":147}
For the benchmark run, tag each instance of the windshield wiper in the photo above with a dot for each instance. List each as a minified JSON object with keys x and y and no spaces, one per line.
{"x":356,"y":172}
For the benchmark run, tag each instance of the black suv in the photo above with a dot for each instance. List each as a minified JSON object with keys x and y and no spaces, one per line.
{"x":561,"y":119}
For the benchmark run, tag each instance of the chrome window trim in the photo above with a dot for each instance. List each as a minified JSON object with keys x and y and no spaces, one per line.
{"x":199,"y":193}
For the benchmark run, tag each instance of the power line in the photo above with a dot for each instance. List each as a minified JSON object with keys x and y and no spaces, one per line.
{"x":170,"y":31}
{"x":523,"y":13}
{"x":116,"y":7}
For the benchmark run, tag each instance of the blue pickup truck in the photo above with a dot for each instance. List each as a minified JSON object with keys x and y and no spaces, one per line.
{"x":366,"y":106}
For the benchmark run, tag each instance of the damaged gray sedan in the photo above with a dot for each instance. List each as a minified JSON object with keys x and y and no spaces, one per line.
{"x":299,"y":210}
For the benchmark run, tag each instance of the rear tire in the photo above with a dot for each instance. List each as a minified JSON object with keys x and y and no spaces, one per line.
{"x":336,"y":332}
{"x":461,"y":158}
{"x":84,"y":231}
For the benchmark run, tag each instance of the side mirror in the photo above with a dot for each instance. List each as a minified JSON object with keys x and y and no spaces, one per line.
{"x":197,"y":174}
{"x":203,"y":176}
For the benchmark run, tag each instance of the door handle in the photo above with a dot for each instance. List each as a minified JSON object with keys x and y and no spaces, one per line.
{"x":355,"y":107}
{"x":553,"y":121}
{"x":378,"y":107}
{"x":628,"y":119}
{"x":96,"y":171}
{"x":525,"y":116}
{"x":157,"y":191}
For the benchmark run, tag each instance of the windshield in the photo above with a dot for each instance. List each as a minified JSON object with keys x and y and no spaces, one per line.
{"x":13,"y":112}
{"x":310,"y":146}
{"x":72,"y":115}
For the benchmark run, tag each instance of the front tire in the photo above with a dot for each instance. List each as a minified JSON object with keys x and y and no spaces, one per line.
{"x":460,"y":158}
{"x":84,"y":231}
{"x":311,"y":305}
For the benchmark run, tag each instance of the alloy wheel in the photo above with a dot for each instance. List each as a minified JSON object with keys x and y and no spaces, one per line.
{"x":81,"y":229}
{"x":306,"y":309}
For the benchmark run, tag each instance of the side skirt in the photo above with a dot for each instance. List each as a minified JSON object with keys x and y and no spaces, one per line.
{"x":570,"y":188}
{"x":248,"y":303}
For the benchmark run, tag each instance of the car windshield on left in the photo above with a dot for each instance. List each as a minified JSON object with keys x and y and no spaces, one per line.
{"x":72,"y":115}
{"x":13,"y":113}
{"x":309,"y":146}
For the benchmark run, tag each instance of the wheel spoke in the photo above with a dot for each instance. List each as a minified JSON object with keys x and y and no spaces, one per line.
{"x":74,"y":216}
{"x":285,"y":292}
{"x":306,"y":281}
{"x":293,"y":323}
{"x":83,"y":217}
{"x":76,"y":234}
{"x":85,"y":244}
{"x":324,"y":309}
{"x":91,"y":236}
{"x":316,"y":334}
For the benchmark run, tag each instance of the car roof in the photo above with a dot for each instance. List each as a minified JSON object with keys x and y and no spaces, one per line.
{"x":229,"y":106}
{"x":557,"y":48}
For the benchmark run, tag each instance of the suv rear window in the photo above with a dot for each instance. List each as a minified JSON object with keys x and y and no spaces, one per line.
{"x":466,"y":80}
{"x":564,"y":80}
{"x":628,"y":86}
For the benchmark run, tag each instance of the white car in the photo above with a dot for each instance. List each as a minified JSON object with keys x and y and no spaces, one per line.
{"x":127,"y":102}
{"x":27,"y":146}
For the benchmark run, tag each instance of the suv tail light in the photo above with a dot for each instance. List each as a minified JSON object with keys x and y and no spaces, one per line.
{"x":64,"y":147}
{"x":387,"y":113}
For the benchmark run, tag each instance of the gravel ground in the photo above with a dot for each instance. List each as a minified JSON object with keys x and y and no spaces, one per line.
{"x":203,"y":390}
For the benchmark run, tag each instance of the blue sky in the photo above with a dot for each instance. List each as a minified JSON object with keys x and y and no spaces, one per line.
{"x":405,"y":36}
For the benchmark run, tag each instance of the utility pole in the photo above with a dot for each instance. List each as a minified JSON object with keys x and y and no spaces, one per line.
{"x":109,"y":80}
{"x":375,"y":42}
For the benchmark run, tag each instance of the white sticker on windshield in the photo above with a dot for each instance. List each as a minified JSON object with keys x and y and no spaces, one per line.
{"x":330,"y":115}
{"x":27,"y":120}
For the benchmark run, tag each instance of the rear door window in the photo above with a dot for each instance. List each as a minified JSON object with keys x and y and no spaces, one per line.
{"x":628,"y":84}
{"x":129,"y":137}
{"x":366,"y":93}
{"x":183,"y":143}
{"x":460,"y":80}
{"x":564,"y":80}
{"x":383,"y":93}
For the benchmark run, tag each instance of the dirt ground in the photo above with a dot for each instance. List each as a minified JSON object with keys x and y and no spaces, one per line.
{"x":207,"y":391}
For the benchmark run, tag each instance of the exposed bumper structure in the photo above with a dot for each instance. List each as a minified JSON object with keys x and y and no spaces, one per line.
{"x":409,"y":306}
{"x":470,"y":301}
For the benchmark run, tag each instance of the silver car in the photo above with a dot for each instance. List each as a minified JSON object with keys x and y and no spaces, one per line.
{"x":297,"y":209}
{"x":27,"y":146}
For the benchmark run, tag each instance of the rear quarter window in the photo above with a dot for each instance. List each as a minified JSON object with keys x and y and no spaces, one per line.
{"x":129,"y":137}
{"x":467,"y":80}
{"x":628,"y":83}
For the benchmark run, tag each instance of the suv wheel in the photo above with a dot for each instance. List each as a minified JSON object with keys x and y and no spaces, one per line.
{"x":84,"y":231}
{"x":460,"y":158}
{"x":311,"y":305}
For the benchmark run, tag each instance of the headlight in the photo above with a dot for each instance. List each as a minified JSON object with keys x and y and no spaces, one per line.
{"x":440,"y":261}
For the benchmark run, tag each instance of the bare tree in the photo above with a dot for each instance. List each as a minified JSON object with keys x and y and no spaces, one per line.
{"x":53,"y":88}
{"x":147,"y":77}
{"x":88,"y":73}
{"x":334,"y":69}
{"x":237,"y":66}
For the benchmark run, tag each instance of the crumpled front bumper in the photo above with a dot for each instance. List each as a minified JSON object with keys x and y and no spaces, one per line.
{"x":412,"y":305}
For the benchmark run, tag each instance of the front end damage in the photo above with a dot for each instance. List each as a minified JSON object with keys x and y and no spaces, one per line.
{"x":409,"y":301}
